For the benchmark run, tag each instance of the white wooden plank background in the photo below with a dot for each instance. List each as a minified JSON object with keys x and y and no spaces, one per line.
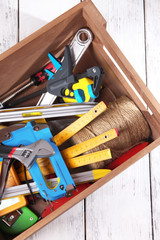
{"x":127,"y":207}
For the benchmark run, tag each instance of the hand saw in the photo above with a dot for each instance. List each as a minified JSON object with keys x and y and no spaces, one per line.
{"x":29,"y":134}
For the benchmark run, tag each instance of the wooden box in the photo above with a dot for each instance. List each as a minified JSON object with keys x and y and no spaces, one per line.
{"x":28,"y":56}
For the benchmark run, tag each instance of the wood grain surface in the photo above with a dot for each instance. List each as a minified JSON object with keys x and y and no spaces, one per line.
{"x":128,"y":207}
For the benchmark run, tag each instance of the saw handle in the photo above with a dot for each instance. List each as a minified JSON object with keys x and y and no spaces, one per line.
{"x":6,"y":165}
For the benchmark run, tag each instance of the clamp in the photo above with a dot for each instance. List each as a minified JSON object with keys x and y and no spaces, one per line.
{"x":62,"y":82}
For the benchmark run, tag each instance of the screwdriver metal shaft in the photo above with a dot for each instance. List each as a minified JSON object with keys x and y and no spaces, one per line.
{"x":15,"y":93}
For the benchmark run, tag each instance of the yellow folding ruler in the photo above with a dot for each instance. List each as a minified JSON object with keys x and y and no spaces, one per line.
{"x":89,"y":158}
{"x":80,"y":123}
{"x":71,"y":154}
{"x":89,"y":144}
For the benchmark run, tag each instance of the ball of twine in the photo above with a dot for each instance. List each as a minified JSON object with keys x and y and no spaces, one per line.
{"x":124,"y":115}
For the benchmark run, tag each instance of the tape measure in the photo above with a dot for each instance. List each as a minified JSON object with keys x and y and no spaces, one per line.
{"x":89,"y":144}
{"x":80,"y":123}
{"x":89,"y":158}
{"x":81,"y":84}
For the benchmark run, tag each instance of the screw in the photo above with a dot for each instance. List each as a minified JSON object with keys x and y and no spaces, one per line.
{"x":31,"y":219}
{"x":7,"y":135}
{"x":10,"y":218}
{"x":94,"y":70}
{"x":36,"y":128}
{"x":61,"y":187}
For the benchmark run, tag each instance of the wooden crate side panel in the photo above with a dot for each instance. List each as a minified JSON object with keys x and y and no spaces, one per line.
{"x":122,"y":61}
{"x":28,"y":59}
{"x":115,"y":81}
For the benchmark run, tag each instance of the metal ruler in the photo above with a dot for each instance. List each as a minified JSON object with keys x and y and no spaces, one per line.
{"x":78,"y":178}
{"x":80,"y":123}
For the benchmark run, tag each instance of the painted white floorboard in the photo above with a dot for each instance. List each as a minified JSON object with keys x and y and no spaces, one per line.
{"x":35,"y":14}
{"x":8,"y":24}
{"x":152,"y":16}
{"x":121,"y":209}
{"x":69,"y":225}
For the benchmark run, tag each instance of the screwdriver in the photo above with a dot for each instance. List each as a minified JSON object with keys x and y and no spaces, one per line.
{"x":36,"y":79}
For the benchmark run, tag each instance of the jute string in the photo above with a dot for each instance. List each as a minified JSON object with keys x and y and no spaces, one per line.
{"x":129,"y":121}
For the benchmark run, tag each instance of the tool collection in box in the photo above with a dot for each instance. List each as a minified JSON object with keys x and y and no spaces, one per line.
{"x":30,"y":138}
{"x":86,"y":124}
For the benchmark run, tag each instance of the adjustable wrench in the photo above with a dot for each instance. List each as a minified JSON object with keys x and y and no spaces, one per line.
{"x":29,"y":133}
{"x":25,"y":154}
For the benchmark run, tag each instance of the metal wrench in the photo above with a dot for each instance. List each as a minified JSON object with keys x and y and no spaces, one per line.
{"x":25,"y":154}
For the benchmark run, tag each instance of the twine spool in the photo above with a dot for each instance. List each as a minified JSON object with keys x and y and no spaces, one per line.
{"x":124,"y":115}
